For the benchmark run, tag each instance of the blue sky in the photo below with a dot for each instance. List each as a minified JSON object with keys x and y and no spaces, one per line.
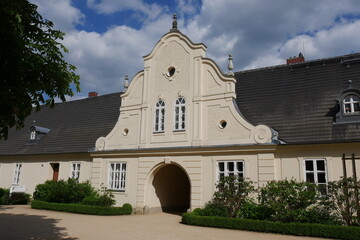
{"x":107,"y":38}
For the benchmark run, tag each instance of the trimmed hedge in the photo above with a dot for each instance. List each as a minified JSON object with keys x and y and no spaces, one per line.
{"x":298,"y":229}
{"x":83,"y":209}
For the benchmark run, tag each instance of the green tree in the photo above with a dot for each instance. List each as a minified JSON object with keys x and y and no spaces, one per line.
{"x":343,"y":198}
{"x":288,"y":199}
{"x":33,"y":71}
{"x":233,"y":193}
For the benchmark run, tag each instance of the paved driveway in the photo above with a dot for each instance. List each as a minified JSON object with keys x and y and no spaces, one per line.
{"x":22,"y":222}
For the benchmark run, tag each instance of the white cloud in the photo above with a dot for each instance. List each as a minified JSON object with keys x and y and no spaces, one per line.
{"x":265,"y":61}
{"x":340,"y":39}
{"x":258,"y":33}
{"x":151,"y":11}
{"x":102,"y":60}
{"x":61,"y":13}
{"x":260,"y":28}
{"x":187,"y":7}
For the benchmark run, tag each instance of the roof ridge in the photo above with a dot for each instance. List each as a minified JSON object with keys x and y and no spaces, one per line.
{"x":357,"y":54}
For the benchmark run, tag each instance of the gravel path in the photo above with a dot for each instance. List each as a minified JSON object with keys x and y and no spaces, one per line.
{"x":22,"y":222}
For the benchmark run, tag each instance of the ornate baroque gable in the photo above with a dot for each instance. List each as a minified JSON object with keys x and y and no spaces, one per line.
{"x":181,"y":99}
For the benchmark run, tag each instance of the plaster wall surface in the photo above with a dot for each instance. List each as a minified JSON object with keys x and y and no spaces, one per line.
{"x":37,"y":169}
{"x":291,"y":159}
{"x":177,"y":68}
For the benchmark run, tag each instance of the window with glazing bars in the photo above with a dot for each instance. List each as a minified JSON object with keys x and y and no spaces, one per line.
{"x":75,"y":171}
{"x":351,"y":104}
{"x":117,"y":176}
{"x":17,"y":172}
{"x":179,"y":114}
{"x":230,"y":168}
{"x":315,"y":172}
{"x":159,"y":116}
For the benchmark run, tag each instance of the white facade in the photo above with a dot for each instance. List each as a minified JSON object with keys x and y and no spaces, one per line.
{"x":178,"y":130}
{"x":177,"y":86}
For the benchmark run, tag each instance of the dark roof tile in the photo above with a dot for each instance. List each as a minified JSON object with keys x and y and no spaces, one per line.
{"x":299,"y":101}
{"x":74,"y":127}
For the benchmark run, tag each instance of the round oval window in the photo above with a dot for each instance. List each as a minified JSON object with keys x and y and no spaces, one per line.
{"x":222,"y":124}
{"x":126,"y":132}
{"x":171,"y":71}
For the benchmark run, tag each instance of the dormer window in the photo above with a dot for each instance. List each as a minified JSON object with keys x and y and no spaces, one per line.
{"x":351,"y":104}
{"x":33,"y":134}
{"x":348,"y":105}
{"x":37,"y":133}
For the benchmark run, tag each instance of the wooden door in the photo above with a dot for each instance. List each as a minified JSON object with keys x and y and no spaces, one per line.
{"x":55,"y":167}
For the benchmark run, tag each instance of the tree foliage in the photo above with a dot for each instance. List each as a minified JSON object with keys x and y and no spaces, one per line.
{"x":33,"y":71}
{"x":232,"y":193}
{"x":288,"y":198}
{"x":343,"y":198}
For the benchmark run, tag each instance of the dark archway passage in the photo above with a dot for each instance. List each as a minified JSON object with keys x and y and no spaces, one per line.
{"x":172,"y":187}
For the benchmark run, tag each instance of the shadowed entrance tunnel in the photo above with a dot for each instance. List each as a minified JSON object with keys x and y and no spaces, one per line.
{"x":172,"y":187}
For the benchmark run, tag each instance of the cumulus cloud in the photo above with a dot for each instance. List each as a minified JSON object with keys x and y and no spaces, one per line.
{"x":261,"y":29}
{"x":62,"y":13}
{"x":102,"y":60}
{"x":187,"y":6}
{"x":258,"y":33}
{"x":150,"y":11}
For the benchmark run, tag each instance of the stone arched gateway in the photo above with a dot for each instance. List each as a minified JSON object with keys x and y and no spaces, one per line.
{"x":168,"y":189}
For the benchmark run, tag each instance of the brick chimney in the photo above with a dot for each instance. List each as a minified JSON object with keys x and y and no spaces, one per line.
{"x":93,"y":94}
{"x":294,"y":59}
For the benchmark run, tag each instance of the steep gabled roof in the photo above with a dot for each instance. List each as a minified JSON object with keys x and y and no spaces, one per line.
{"x":299,"y":100}
{"x":74,"y":127}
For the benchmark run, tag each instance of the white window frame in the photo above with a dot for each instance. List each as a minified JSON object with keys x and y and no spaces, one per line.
{"x":117,"y":176}
{"x":180,"y":114}
{"x":17,"y":172}
{"x":33,"y":134}
{"x":227,"y":172}
{"x":354,"y":100}
{"x":316,"y":172}
{"x":159,"y":124}
{"x":75,"y":171}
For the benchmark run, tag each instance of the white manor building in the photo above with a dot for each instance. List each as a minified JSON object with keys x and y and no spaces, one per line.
{"x":163,"y":143}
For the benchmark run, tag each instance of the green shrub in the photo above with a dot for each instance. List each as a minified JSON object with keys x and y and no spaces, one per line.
{"x":3,"y":192}
{"x":63,"y":191}
{"x":4,"y":196}
{"x":83,"y":209}
{"x":232,"y":193}
{"x":215,"y":209}
{"x":198,"y":211}
{"x":317,"y":214}
{"x":343,"y":198}
{"x":251,"y":210}
{"x":127,"y":208}
{"x":288,"y":199}
{"x":19,"y":198}
{"x":299,"y":229}
{"x":102,"y":197}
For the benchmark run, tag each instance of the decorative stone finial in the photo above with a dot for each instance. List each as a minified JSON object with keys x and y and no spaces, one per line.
{"x":174,"y":24}
{"x":126,"y":83}
{"x":230,"y":66}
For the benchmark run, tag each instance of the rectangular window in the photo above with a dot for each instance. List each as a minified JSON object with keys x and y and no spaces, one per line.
{"x":315,"y":172}
{"x":117,"y":176}
{"x":75,"y":171}
{"x":17,"y":173}
{"x":230,"y":168}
